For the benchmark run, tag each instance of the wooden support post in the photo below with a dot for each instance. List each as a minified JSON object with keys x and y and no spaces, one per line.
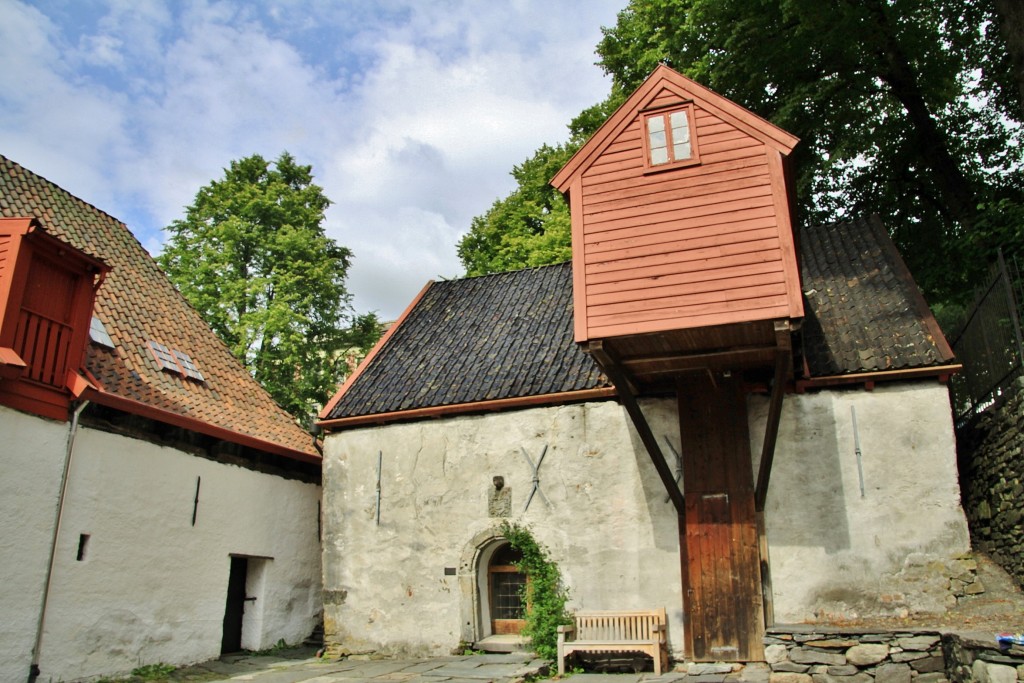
{"x":783,"y":364}
{"x":613,"y":369}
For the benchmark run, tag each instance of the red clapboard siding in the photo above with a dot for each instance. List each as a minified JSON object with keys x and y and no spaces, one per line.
{"x":704,"y":243}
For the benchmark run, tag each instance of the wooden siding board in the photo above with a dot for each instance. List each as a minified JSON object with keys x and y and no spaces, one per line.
{"x":640,"y":223}
{"x":757,"y":310}
{"x":766,"y":273}
{"x":684,"y":177}
{"x":769,"y":245}
{"x":667,"y":236}
{"x":612,"y":172}
{"x":695,"y":219}
{"x":712,"y":189}
{"x":633,"y":287}
{"x":739,"y":197}
{"x":668,"y":269}
{"x":693,"y":297}
{"x":682,"y":245}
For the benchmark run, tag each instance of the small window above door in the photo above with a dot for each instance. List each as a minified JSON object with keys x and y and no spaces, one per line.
{"x":669,"y":140}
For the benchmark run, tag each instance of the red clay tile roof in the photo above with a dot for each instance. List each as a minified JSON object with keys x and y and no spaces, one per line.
{"x":137,"y":303}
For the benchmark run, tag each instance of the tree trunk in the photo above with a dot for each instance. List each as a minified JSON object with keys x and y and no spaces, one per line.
{"x":960,"y":202}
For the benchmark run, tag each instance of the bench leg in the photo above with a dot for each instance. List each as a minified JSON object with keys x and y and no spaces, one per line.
{"x":561,"y":662}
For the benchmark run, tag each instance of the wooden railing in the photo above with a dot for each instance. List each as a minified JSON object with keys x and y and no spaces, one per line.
{"x":43,"y":344}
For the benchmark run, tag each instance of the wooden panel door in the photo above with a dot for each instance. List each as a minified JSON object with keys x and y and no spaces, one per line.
{"x":721,"y":570}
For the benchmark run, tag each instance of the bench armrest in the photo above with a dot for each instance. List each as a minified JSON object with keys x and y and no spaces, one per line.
{"x":566,"y":629}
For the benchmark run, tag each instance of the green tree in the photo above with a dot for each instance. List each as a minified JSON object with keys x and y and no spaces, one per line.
{"x":252,"y":257}
{"x":905,"y":107}
{"x":531,"y":226}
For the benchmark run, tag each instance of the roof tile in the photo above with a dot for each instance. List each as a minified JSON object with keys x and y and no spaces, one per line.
{"x":138,"y":303}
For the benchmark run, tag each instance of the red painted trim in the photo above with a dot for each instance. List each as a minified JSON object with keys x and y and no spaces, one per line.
{"x":373,"y":352}
{"x":128,"y":405}
{"x":784,"y":226}
{"x":580,"y":324}
{"x":476,"y":407}
{"x":940,"y":372}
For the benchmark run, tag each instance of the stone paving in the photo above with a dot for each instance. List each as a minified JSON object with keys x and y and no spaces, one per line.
{"x":509,"y":668}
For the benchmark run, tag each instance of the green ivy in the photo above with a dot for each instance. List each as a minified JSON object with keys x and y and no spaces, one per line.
{"x":544,"y":593}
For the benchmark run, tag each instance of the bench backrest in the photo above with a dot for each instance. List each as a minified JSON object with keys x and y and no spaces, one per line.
{"x":618,"y":625}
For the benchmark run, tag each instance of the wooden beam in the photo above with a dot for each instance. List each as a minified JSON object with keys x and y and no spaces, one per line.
{"x":695,"y":361}
{"x":783,"y":365}
{"x":609,"y":363}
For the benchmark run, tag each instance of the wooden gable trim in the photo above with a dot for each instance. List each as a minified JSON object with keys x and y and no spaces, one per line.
{"x":495,"y":405}
{"x":580,"y":322}
{"x":688,"y":90}
{"x":940,"y":372}
{"x":787,"y":245}
{"x":373,"y":352}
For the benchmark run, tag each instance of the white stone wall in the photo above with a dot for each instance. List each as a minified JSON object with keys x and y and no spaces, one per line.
{"x":151,"y":587}
{"x":834,"y":552}
{"x":31,"y":462}
{"x":605,"y":521}
{"x":609,"y":527}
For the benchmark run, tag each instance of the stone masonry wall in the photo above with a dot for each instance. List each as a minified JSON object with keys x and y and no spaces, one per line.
{"x":991,"y":455}
{"x":817,"y":655}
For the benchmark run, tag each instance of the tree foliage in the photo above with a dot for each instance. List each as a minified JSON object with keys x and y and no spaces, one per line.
{"x":252,"y":257}
{"x":907,"y":108}
{"x":904,"y":107}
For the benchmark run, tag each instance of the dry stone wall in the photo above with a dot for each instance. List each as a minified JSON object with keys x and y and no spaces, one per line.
{"x":991,"y":455}
{"x":819,"y":655}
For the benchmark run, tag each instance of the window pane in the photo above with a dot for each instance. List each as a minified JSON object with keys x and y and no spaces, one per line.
{"x":507,"y":602}
{"x":680,"y":127}
{"x":657,"y":139}
{"x":655,"y":123}
{"x":681,"y":150}
{"x":659,"y":156}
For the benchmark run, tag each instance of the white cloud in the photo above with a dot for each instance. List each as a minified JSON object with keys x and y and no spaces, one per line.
{"x":412,"y":114}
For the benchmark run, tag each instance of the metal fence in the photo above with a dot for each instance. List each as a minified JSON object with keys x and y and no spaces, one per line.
{"x":988,"y":343}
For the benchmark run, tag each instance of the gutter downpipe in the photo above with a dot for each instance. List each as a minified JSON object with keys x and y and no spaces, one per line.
{"x":33,"y":671}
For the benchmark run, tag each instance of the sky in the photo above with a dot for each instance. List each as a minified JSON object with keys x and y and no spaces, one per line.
{"x":412,"y":113}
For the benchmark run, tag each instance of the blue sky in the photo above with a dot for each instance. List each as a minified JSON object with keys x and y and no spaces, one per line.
{"x":412,"y":113}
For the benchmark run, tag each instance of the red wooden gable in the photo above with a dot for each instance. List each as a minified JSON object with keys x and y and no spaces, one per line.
{"x":47,"y":292}
{"x":681,"y":219}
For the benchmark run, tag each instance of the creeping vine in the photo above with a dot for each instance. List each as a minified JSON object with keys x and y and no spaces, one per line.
{"x":544,"y":593}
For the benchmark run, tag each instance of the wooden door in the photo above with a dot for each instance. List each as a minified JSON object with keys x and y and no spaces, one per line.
{"x":234,"y":607}
{"x":723,"y":611}
{"x":506,"y":585}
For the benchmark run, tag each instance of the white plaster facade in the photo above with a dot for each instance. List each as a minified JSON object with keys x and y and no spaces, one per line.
{"x":151,"y":587}
{"x":606,"y":521}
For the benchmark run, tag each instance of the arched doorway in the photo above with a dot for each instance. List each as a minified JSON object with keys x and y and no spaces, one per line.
{"x":505,"y":589}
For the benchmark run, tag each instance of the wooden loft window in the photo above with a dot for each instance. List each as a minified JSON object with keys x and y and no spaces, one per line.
{"x":175,"y":361}
{"x":668,"y":137}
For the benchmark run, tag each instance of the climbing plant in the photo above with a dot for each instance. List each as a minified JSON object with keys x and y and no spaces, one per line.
{"x":544,"y":593}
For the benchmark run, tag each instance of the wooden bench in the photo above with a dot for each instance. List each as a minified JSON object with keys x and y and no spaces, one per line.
{"x":618,"y":631}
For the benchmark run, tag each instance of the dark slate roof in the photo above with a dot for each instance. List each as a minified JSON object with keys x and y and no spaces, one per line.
{"x":137,"y":303}
{"x":864,"y":312}
{"x":500,"y":336}
{"x":511,"y":335}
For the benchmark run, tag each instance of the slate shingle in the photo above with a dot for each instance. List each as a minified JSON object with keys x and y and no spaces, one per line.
{"x":485,"y":338}
{"x":864,"y":312}
{"x":511,"y":335}
{"x":137,"y":303}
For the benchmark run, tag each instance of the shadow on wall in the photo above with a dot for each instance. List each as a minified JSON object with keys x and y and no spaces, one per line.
{"x":806,"y":500}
